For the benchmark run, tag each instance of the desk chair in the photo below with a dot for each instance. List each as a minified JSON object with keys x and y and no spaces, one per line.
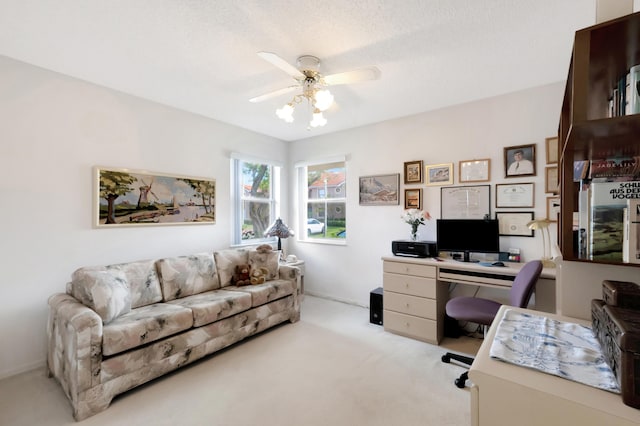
{"x":483,"y":311}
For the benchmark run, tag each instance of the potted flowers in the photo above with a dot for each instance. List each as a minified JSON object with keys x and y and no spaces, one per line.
{"x":415,"y":218}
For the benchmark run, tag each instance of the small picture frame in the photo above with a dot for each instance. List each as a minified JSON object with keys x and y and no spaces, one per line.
{"x":474,"y":170}
{"x":413,"y":198}
{"x":515,"y":195}
{"x":553,"y":208}
{"x":552,"y":149}
{"x":520,"y":160}
{"x":551,"y":180}
{"x":514,"y":224}
{"x":379,"y":190}
{"x":413,"y":172}
{"x":439,"y":174}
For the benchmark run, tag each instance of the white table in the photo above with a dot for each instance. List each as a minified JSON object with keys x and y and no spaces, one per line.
{"x":507,"y":394}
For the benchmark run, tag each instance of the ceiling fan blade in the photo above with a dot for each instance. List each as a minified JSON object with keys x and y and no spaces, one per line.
{"x":278,"y":62}
{"x":355,"y":76}
{"x":273,"y":94}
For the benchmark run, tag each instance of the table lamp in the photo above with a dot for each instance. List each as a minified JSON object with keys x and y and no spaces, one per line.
{"x":280,"y":230}
{"x":542,"y":225}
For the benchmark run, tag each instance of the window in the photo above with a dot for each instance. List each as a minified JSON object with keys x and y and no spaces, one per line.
{"x":323,"y":210}
{"x":255,"y":192}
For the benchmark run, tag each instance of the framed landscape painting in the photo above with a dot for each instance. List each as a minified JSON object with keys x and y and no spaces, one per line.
{"x":380,"y":190}
{"x":124,"y":197}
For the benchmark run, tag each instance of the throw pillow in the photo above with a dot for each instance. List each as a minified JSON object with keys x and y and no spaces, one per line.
{"x":186,"y":275}
{"x":106,"y":292}
{"x":226,"y":261}
{"x":266,"y":259}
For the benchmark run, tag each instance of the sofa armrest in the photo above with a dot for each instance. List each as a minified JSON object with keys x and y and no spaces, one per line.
{"x":288,"y":272}
{"x":74,"y":334}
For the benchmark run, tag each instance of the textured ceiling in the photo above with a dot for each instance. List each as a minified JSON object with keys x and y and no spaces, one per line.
{"x":200,"y":55}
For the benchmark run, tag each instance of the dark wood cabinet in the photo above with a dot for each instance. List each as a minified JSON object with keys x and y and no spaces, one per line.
{"x":602,"y":55}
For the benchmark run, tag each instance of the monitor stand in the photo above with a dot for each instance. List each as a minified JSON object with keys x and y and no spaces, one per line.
{"x":467,"y":257}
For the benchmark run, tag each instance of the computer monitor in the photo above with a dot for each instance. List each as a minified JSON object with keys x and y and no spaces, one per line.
{"x":468,"y":235}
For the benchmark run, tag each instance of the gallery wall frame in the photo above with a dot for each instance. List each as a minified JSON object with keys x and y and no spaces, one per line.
{"x":515,"y":195}
{"x":379,"y":190}
{"x":439,"y":174}
{"x":551,"y":145}
{"x":465,"y":202}
{"x":474,"y":170}
{"x":413,"y":172}
{"x":514,"y":224}
{"x":126,"y":197}
{"x":520,"y":160}
{"x":413,"y":198}
{"x":553,"y":208}
{"x":551,"y":182}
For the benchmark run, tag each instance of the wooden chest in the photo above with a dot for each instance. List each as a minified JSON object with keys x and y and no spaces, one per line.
{"x":623,"y":294}
{"x":618,"y":331}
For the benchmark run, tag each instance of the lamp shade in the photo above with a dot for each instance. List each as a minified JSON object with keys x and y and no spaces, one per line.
{"x":280,"y":230}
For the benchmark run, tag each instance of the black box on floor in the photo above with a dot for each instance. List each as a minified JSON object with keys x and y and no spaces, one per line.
{"x":375,"y":306}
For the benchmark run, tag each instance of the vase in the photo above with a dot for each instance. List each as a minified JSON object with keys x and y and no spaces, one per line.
{"x":414,"y":233}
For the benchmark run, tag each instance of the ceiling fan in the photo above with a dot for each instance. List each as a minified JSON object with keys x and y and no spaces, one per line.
{"x":312,"y":85}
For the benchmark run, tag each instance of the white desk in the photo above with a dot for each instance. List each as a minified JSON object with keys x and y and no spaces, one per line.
{"x":416,"y":291}
{"x":507,"y":394}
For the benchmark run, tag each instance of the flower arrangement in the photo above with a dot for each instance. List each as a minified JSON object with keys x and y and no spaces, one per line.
{"x":415,"y":218}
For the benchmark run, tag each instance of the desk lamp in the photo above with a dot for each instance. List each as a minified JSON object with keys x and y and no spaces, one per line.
{"x":280,"y":230}
{"x":542,"y":225}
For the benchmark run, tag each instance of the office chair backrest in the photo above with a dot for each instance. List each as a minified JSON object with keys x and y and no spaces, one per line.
{"x":524,"y":283}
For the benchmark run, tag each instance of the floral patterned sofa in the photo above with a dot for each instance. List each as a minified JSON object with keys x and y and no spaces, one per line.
{"x":119,"y":326}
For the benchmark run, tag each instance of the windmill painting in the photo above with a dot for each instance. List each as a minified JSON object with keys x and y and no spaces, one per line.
{"x":127,"y":197}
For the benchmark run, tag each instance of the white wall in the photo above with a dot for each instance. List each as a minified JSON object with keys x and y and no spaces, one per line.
{"x":53,"y":130}
{"x":475,"y":130}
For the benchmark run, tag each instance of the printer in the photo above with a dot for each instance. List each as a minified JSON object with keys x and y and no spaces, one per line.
{"x":414,"y":248}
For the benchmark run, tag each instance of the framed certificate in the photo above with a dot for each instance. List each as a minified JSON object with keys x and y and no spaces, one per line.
{"x":465,"y":202}
{"x":514,"y":195}
{"x":474,"y":170}
{"x":514,"y":223}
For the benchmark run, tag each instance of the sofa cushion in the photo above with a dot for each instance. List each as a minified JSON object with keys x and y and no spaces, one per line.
{"x":226,"y":261}
{"x":143,"y":325}
{"x":270,"y":290}
{"x":106,"y":292}
{"x":269,"y":260}
{"x":187,"y":275}
{"x":214,"y":305}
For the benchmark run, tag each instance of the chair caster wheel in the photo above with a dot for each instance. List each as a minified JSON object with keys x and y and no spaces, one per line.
{"x":460,"y":383}
{"x":446,"y":359}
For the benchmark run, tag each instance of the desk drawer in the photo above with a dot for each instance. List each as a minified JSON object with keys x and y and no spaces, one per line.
{"x":406,"y":284}
{"x":410,"y":269}
{"x":412,"y":305}
{"x":410,"y":326}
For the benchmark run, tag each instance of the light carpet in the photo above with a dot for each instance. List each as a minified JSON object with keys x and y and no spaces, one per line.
{"x":331,"y":368}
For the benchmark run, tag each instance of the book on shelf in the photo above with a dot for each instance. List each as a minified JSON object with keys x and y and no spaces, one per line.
{"x":633,"y":103}
{"x":631,"y":248}
{"x":606,"y":231}
{"x":624,"y":168}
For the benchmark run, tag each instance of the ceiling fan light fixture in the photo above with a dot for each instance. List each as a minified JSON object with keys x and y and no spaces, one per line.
{"x":323,"y":100}
{"x":285,"y":113}
{"x":318,"y":119}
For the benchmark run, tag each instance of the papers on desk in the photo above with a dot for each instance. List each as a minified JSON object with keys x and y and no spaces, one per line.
{"x":563,"y":349}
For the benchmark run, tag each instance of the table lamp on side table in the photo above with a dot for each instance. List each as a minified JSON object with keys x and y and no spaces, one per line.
{"x":280,"y":230}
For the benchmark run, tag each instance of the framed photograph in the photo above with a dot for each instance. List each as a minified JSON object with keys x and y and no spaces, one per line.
{"x":514,"y":224}
{"x":413,"y":198}
{"x":380,"y":190}
{"x":520,"y":160}
{"x":551,"y":180}
{"x":474,"y":170}
{"x":124,"y":197}
{"x":515,"y":195}
{"x":553,"y":208}
{"x":413,"y":172}
{"x":465,"y":202}
{"x":439,"y":174}
{"x":552,"y":150}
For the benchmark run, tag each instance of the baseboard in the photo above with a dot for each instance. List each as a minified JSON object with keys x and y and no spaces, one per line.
{"x":335,"y":299}
{"x":22,"y":369}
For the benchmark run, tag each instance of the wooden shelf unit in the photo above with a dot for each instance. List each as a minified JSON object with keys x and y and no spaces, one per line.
{"x":602,"y":54}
